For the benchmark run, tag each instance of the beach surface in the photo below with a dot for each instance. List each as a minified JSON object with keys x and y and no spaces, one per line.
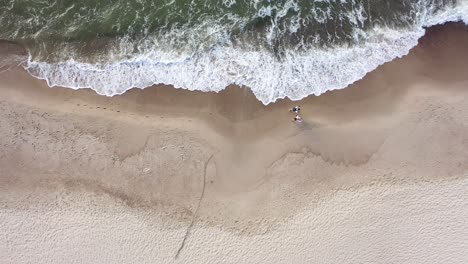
{"x":376,"y":172}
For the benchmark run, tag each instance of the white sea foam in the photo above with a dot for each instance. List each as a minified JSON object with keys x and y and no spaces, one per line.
{"x":296,"y":76}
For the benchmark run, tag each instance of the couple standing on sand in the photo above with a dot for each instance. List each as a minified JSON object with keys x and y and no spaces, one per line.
{"x":296,"y":110}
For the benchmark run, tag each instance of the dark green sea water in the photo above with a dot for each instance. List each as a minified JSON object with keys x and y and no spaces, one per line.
{"x":90,"y":43}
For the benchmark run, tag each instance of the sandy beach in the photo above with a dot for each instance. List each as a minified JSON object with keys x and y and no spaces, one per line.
{"x":376,"y":173}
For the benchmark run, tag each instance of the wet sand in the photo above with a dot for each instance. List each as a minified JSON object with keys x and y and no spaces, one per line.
{"x":377,"y":172}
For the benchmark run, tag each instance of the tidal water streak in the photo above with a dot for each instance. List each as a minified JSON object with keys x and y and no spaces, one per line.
{"x":277,"y":48}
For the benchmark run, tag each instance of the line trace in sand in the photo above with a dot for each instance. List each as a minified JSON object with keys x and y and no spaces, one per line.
{"x":11,"y":67}
{"x":194,"y":215}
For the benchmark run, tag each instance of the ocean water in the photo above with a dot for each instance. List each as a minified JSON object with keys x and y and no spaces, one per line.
{"x":277,"y":48}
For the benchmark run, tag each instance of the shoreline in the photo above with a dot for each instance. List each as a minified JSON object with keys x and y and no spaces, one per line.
{"x":403,"y":129}
{"x":18,"y":52}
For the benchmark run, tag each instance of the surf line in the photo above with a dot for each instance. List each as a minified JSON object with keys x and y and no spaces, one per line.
{"x":194,"y":215}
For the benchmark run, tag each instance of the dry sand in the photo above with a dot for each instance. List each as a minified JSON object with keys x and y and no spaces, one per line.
{"x":377,"y":172}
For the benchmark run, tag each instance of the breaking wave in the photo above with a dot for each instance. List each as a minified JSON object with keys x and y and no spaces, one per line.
{"x":277,"y":49}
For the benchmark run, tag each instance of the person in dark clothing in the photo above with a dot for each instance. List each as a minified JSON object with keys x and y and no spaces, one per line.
{"x":296,"y":109}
